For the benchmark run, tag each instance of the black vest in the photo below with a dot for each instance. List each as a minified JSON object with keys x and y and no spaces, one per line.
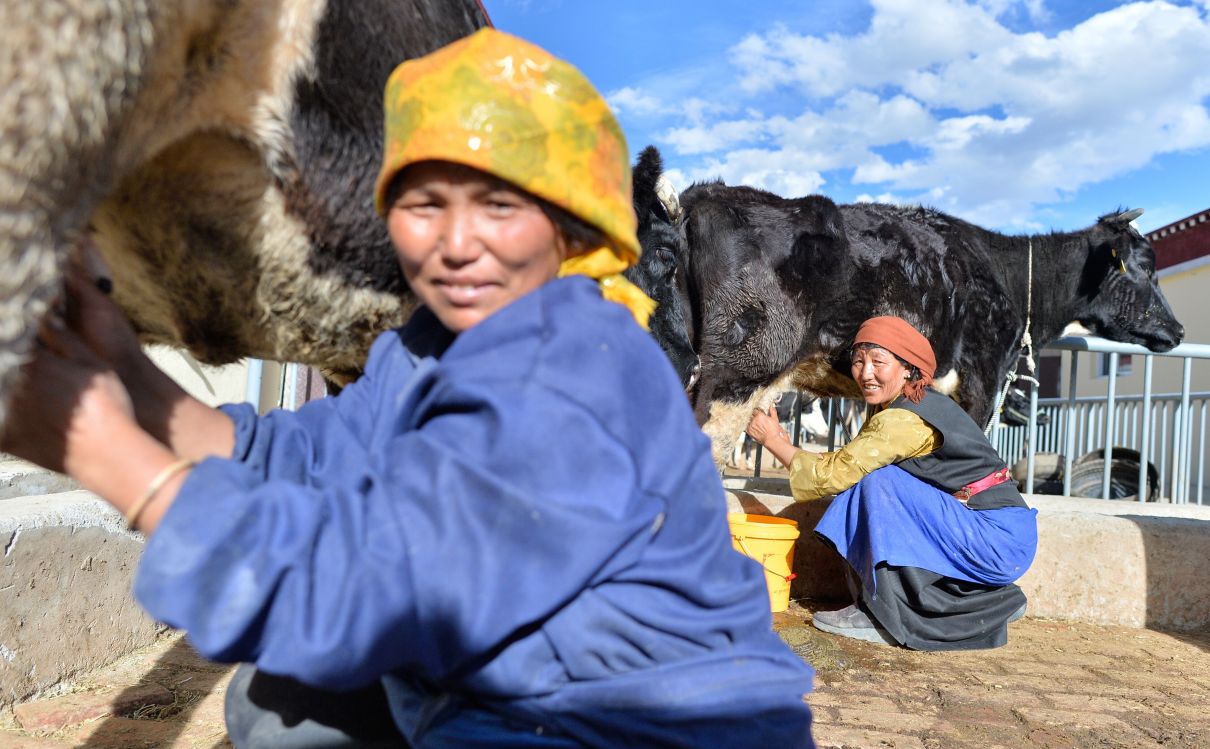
{"x":964,"y":457}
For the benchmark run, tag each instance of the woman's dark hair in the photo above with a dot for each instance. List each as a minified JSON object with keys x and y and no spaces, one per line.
{"x":578,"y":233}
{"x":913,"y":370}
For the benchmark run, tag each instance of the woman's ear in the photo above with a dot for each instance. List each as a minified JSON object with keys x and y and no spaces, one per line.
{"x":562,"y":245}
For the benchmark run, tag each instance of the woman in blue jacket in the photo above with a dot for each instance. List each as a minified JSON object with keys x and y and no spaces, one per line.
{"x":510,"y":529}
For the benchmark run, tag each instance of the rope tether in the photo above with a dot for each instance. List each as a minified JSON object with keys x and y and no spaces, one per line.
{"x":1027,"y":343}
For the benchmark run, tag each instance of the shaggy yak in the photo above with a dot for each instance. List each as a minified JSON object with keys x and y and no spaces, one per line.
{"x":221,"y":153}
{"x":777,"y":288}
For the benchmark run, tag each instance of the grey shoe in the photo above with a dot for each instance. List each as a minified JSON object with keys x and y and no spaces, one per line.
{"x":852,"y":621}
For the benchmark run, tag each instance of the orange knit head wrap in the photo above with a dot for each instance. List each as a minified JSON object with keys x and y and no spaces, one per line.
{"x":506,"y":107}
{"x":898,"y":336}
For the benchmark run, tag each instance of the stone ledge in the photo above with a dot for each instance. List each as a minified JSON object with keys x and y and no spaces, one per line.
{"x":1099,"y":561}
{"x":21,"y":479}
{"x":66,"y":567}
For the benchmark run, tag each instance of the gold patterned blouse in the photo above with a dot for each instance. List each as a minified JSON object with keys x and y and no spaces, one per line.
{"x":889,"y":436}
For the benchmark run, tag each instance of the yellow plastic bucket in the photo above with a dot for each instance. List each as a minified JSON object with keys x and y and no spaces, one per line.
{"x":770,"y":541}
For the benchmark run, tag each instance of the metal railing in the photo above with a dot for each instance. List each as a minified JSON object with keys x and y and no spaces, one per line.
{"x":1159,"y":427}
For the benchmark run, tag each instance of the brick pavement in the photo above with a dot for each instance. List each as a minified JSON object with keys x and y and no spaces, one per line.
{"x":1056,"y":685}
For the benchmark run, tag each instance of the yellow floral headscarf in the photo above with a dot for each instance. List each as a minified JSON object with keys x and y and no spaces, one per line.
{"x":501,"y":105}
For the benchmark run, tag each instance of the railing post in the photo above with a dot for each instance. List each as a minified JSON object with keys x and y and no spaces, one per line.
{"x":797,"y":441}
{"x":833,"y":413}
{"x":252,"y":382}
{"x":1201,"y":455}
{"x":1145,"y":442}
{"x":1032,"y":450}
{"x":1109,"y":423}
{"x":1068,"y":451}
{"x":1184,"y":433}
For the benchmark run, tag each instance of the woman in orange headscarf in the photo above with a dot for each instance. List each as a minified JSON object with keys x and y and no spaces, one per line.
{"x":925,"y":514}
{"x":509,"y":531}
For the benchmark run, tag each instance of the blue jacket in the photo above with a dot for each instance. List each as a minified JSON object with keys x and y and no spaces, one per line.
{"x":526,"y":513}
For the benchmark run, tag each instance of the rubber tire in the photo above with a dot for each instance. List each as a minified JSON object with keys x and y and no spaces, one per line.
{"x":1048,"y":473}
{"x":1088,"y":472}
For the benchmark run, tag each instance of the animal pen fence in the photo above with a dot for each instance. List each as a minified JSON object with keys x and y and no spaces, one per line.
{"x":1167,"y":429}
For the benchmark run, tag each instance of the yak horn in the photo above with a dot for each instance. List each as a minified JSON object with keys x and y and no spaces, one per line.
{"x":1125,"y":217}
{"x":668,"y":197}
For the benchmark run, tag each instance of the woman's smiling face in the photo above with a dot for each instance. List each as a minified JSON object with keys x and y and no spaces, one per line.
{"x":879,"y":375}
{"x":469,"y":243}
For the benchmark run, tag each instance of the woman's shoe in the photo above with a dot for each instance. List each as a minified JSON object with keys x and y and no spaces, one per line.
{"x":852,"y":621}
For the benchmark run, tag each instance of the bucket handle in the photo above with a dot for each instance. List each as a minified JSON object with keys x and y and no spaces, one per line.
{"x":740,"y":540}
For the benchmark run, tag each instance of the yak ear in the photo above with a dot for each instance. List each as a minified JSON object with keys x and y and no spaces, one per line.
{"x":646,"y":171}
{"x":1122,"y":218}
{"x":646,"y":175}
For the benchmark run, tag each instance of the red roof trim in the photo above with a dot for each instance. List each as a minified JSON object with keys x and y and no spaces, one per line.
{"x":1181,"y":241}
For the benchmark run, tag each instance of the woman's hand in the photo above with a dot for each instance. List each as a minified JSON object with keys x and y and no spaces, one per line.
{"x":73,"y":415}
{"x":162,"y":408}
{"x":96,"y":319}
{"x":69,"y":406}
{"x":767,"y":430}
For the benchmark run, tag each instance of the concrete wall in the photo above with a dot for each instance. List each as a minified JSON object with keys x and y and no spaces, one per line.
{"x":65,"y":579}
{"x":217,"y":385}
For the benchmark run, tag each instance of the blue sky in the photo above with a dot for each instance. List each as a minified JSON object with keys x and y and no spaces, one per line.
{"x":1018,"y":115}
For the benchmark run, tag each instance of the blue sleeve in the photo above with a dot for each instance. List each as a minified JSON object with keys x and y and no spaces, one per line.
{"x":444,"y":544}
{"x":302,"y":445}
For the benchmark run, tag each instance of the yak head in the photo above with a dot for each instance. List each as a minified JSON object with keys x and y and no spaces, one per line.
{"x":1124,"y":301}
{"x":661,"y":270}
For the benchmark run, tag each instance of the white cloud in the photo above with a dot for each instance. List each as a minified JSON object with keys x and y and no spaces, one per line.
{"x":878,"y":169}
{"x":695,"y":140}
{"x":632,"y":100}
{"x":787,"y":173}
{"x":904,"y":36}
{"x":885,"y":197}
{"x":938,"y":101}
{"x":1035,"y":10}
{"x":956,"y":133}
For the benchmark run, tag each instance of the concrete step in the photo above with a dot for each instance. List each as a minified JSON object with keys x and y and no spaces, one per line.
{"x":66,"y":567}
{"x":1099,"y":561}
{"x":21,"y":479}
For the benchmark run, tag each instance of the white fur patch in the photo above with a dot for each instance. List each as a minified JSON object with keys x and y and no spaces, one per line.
{"x":1075,"y":328}
{"x":947,"y":384}
{"x":729,"y":420}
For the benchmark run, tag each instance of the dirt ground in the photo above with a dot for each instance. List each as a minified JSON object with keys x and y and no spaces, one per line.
{"x":1056,"y":685}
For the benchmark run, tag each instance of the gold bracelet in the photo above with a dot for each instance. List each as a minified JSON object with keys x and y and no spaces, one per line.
{"x":157,"y":483}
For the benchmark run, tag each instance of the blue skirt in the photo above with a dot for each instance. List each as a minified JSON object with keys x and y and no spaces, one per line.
{"x":893,"y":517}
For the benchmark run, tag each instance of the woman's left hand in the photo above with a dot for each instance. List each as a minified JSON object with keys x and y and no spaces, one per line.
{"x":765,"y":428}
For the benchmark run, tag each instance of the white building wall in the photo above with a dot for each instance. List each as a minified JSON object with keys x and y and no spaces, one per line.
{"x":218,"y":385}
